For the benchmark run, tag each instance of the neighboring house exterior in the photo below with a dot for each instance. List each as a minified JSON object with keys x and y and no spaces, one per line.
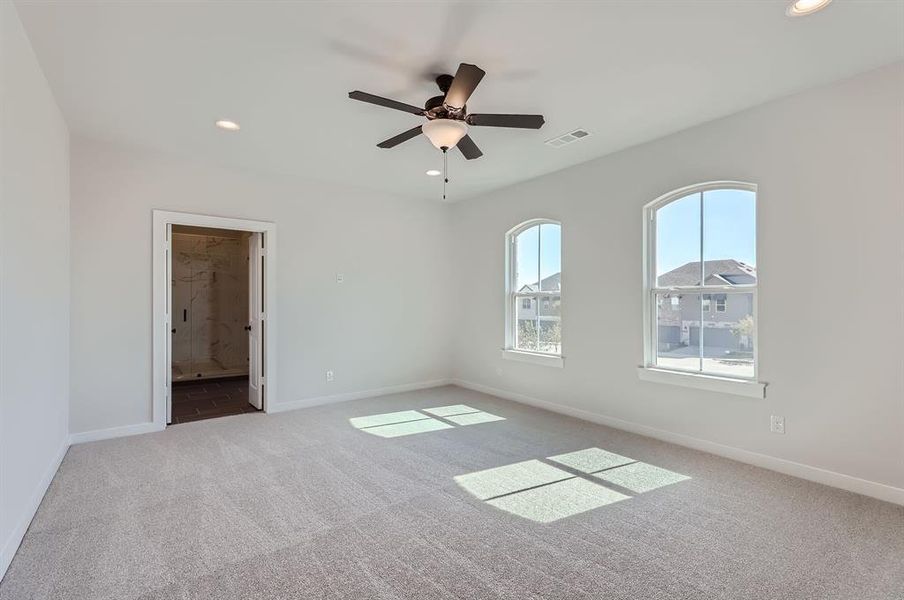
{"x":548,"y":305}
{"x":539,"y":315}
{"x":723,"y":315}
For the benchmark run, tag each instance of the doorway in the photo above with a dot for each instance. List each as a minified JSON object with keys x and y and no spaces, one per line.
{"x":213,"y":315}
{"x":211,"y":323}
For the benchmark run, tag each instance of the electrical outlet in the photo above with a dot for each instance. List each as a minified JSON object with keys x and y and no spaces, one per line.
{"x":340,"y":277}
{"x":329,"y":375}
{"x":777,"y":424}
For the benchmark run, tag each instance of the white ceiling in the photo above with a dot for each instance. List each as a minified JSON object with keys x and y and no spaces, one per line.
{"x":157,"y":75}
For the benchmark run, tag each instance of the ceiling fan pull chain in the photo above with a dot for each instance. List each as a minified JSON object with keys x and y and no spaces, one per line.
{"x":445,"y":170}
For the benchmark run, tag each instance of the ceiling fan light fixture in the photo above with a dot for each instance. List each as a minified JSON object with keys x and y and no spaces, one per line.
{"x":445,"y":133}
{"x":800,"y":8}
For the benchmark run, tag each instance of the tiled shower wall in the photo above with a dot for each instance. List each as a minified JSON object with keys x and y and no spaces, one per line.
{"x":210,"y":304}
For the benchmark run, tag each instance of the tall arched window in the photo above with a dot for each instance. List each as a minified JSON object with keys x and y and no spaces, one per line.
{"x":701,"y":281}
{"x":534,"y":289}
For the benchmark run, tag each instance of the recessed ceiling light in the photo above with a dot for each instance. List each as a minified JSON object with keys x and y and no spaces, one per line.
{"x":800,"y":8}
{"x":227,"y":125}
{"x":434,"y":173}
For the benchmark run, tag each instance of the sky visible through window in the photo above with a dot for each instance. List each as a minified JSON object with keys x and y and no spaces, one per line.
{"x":729,"y":232}
{"x":729,"y":229}
{"x":549,"y":236}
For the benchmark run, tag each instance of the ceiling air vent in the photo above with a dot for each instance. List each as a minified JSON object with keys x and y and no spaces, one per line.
{"x":568,"y":138}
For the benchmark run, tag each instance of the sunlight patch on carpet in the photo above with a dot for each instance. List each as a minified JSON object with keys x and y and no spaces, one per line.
{"x":558,"y":500}
{"x":591,"y":460}
{"x":544,"y":493}
{"x":409,"y":422}
{"x":453,"y":409}
{"x":510,"y":478}
{"x":474,"y":418}
{"x":641,"y":477}
{"x":387,"y":418}
{"x":409,"y":428}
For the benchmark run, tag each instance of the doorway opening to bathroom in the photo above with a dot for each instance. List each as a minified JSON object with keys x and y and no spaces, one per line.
{"x":211,"y":323}
{"x":214,"y":318}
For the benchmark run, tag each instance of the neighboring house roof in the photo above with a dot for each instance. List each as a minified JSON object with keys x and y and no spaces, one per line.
{"x":719,"y":272}
{"x":553,"y":283}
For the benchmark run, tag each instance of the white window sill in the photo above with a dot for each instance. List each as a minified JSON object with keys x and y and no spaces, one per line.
{"x":725,"y":385}
{"x":547,"y":360}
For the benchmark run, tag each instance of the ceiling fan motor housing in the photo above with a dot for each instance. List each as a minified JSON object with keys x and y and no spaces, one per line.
{"x":434,"y":108}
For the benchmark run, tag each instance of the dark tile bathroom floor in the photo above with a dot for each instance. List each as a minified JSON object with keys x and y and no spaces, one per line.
{"x":210,"y":398}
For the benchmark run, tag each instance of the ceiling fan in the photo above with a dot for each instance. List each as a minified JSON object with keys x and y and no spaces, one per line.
{"x":448,"y":120}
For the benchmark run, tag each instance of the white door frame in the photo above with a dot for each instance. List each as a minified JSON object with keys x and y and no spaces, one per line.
{"x":161,"y":369}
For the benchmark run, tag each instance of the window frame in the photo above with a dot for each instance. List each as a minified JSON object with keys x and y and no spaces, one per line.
{"x":748,"y":386}
{"x":512,"y":296}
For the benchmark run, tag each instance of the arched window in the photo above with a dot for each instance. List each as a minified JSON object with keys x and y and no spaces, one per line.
{"x":701,"y":281}
{"x":534,"y":289}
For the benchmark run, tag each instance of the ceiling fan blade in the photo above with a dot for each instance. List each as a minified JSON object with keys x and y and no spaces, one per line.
{"x":469,"y":148}
{"x":380,"y":101}
{"x":518,"y":121}
{"x":402,"y":137}
{"x":466,"y":79}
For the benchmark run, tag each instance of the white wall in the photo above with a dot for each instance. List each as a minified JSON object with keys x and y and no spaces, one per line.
{"x":385,"y":325}
{"x":34,"y":284}
{"x":830,"y":168}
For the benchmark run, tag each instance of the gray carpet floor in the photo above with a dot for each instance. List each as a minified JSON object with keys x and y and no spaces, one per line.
{"x":510,"y":502}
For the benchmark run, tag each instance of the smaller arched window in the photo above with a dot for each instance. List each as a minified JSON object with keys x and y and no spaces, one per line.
{"x":701,"y":281}
{"x":534,"y":288}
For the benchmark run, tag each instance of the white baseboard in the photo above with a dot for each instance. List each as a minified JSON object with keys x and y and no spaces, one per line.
{"x":11,"y":544}
{"x":846,"y":482}
{"x":346,"y":396}
{"x":114,"y":432}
